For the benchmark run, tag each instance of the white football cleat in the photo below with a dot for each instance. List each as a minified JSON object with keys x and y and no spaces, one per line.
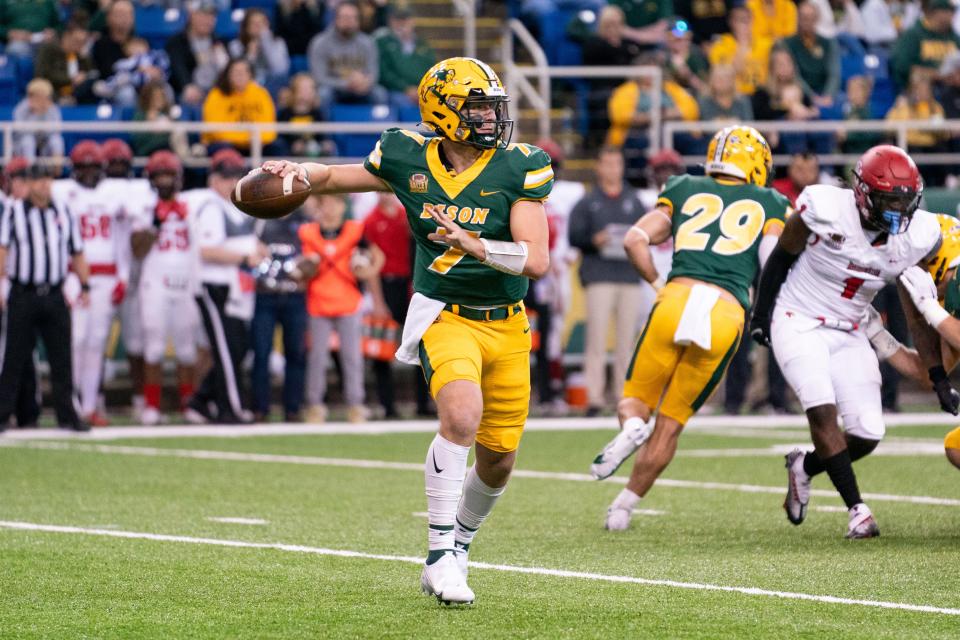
{"x":150,"y":416}
{"x":618,"y":519}
{"x":798,"y":487}
{"x":862,"y":524}
{"x":444,"y":580}
{"x":619,"y":449}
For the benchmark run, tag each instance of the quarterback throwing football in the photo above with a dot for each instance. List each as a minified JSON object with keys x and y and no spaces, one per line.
{"x":474,"y":203}
{"x":835,"y":254}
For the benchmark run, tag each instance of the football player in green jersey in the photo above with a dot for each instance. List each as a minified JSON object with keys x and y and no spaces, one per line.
{"x":474,"y":202}
{"x":936,"y":294}
{"x":724,"y":225}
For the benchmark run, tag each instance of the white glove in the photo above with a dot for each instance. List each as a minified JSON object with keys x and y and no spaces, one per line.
{"x":919,"y":284}
{"x":883,"y":342}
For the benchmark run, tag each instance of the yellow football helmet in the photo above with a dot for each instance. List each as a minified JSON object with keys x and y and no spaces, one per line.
{"x":454,"y":87}
{"x":948,"y":255}
{"x":741,"y":152}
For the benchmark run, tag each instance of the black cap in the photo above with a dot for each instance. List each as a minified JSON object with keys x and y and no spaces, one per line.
{"x":401,"y":12}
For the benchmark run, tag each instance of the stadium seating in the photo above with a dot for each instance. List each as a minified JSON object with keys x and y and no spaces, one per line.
{"x":9,"y":85}
{"x":358,"y":145}
{"x":228,"y":23}
{"x":91,"y":113}
{"x":157,"y":24}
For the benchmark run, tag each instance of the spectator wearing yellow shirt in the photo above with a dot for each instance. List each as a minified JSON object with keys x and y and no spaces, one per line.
{"x":237,"y":98}
{"x":742,"y":50}
{"x":629,"y":109}
{"x":918,"y":103}
{"x":773,"y":19}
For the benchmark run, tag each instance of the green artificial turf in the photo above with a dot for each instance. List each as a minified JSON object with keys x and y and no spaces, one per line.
{"x":78,"y":585}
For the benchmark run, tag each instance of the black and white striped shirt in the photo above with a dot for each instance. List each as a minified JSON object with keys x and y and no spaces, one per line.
{"x":40,"y":241}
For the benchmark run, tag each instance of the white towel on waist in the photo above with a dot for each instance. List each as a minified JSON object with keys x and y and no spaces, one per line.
{"x":420,"y":315}
{"x":694,"y":325}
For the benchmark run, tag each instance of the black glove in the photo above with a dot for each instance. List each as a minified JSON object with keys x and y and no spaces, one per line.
{"x":760,"y":329}
{"x":946,"y":394}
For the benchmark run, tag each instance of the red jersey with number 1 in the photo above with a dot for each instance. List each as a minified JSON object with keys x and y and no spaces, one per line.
{"x":844,"y":265}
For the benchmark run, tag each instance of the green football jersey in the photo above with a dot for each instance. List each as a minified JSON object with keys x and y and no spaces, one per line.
{"x":478,"y":199}
{"x":717,"y":228}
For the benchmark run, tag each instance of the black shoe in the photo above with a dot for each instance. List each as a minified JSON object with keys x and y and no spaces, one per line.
{"x":292,"y":416}
{"x":76,"y":425}
{"x":592,"y":412}
{"x":198,"y":411}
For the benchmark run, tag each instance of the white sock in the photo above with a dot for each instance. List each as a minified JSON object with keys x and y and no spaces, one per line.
{"x":443,"y":471}
{"x":476,"y":504}
{"x":625,"y":500}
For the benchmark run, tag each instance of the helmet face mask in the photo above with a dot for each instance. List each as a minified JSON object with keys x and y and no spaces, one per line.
{"x":88,"y":174}
{"x":484,"y":133}
{"x":165,"y":183}
{"x":463,"y":100}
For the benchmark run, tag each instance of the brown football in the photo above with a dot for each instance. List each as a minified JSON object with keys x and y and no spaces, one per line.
{"x":267,"y":195}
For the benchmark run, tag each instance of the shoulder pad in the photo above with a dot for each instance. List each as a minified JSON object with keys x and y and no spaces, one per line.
{"x":822,"y":204}
{"x":924,"y":230}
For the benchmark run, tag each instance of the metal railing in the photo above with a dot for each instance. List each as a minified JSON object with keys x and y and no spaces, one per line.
{"x":255,"y":154}
{"x":901,"y":128}
{"x":468,"y":9}
{"x":541,"y":99}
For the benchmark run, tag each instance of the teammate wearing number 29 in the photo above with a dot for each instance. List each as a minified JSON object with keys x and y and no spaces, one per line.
{"x":839,"y":250}
{"x":474,"y":203}
{"x":723,"y":226}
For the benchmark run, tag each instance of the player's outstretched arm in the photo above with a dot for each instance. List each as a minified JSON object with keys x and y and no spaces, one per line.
{"x":792,"y":242}
{"x":329,"y":178}
{"x":653,"y":228}
{"x":925,"y":316}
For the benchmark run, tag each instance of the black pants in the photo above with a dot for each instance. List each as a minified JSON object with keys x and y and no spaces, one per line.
{"x":541,"y":373}
{"x":32,"y":312}
{"x":738,"y":379}
{"x":396,"y":293}
{"x":888,"y":302}
{"x":229,"y":341}
{"x":27,"y":411}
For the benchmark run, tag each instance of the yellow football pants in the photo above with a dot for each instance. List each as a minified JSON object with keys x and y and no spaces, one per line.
{"x":493,"y":354}
{"x":681,"y":378}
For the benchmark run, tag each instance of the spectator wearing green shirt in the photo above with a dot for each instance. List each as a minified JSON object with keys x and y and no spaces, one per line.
{"x":404,"y":57}
{"x":26,"y":23}
{"x":816,"y":58}
{"x":927,"y":43}
{"x":647,"y":20}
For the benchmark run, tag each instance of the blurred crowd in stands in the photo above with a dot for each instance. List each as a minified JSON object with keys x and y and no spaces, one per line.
{"x":325,"y":290}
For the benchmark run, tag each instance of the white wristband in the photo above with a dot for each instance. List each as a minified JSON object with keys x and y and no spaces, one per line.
{"x":933,"y":312}
{"x":658,"y":284}
{"x":885,"y":344}
{"x":508,"y":257}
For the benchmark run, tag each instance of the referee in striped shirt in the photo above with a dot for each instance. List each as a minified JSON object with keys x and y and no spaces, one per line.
{"x":40,"y":237}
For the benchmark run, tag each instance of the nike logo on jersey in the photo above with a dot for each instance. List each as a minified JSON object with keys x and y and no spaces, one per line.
{"x":488,"y":193}
{"x":527,"y":330}
{"x":435,"y":467}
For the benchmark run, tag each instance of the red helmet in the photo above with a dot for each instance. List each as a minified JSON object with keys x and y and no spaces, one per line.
{"x":17,"y":167}
{"x":163,"y":162}
{"x":116,"y":149}
{"x":887,"y":188}
{"x":86,"y":152}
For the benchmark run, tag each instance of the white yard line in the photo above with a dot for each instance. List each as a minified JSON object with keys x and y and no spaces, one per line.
{"x":712,"y":424}
{"x":829,"y":509}
{"x":542,"y":571}
{"x":251,"y":521}
{"x":235,"y":456}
